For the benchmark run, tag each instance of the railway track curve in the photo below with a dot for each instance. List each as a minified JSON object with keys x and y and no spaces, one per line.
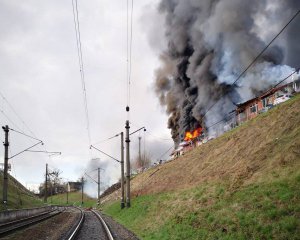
{"x":90,"y":226}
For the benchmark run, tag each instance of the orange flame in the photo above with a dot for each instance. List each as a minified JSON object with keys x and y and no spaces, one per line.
{"x":191,"y":135}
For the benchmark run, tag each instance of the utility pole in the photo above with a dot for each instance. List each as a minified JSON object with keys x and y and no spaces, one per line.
{"x":46,"y":184}
{"x":67,"y":196}
{"x":122,"y":172}
{"x":127,"y":165}
{"x":82,"y":191}
{"x":5,"y":175}
{"x":140,"y":158}
{"x":99,"y":186}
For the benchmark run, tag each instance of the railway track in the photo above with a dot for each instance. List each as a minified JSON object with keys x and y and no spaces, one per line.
{"x":90,"y":226}
{"x":11,"y":227}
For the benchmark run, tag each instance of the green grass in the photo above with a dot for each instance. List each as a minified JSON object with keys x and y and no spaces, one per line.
{"x":73,"y":199}
{"x":242,"y":185}
{"x":269,"y":210}
{"x":18,"y":196}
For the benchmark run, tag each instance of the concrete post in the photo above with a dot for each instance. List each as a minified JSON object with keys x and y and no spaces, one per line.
{"x":127,"y":165}
{"x":46,"y":184}
{"x":140,"y":157}
{"x":122,"y":172}
{"x":82,"y":191}
{"x":5,"y":175}
{"x":99,"y":186}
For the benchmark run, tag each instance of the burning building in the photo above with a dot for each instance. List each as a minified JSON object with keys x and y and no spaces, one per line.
{"x":209,"y":43}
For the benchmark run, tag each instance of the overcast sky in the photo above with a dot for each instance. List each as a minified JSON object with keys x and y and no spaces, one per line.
{"x":39,"y":77}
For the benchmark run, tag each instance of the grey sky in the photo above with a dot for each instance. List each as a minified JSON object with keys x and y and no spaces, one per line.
{"x":39,"y":76}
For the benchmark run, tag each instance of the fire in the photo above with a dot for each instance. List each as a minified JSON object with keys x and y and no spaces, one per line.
{"x":191,"y":135}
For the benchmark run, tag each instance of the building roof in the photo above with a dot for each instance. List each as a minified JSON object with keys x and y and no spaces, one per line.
{"x":264,"y":95}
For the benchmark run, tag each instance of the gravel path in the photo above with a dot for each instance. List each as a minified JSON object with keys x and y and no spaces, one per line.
{"x":118,"y":231}
{"x":92,"y":228}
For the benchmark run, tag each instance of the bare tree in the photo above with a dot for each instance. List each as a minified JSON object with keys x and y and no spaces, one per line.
{"x":141,"y":163}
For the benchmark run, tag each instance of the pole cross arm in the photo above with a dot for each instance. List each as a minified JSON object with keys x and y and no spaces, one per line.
{"x":96,"y":169}
{"x":91,"y":178}
{"x":105,"y":154}
{"x":40,"y":142}
{"x":138,"y":130}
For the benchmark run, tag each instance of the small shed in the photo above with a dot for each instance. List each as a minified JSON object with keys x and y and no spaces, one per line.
{"x":74,"y":186}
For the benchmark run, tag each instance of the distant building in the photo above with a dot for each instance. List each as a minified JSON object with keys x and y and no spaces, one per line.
{"x":74,"y":186}
{"x":243,"y":112}
{"x":251,"y":108}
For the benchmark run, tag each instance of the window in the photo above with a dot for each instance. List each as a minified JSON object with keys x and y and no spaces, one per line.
{"x":265,"y":102}
{"x":253,"y":108}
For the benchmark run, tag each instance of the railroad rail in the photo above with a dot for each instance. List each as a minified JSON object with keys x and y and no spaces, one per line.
{"x":108,"y":232}
{"x":13,"y":226}
{"x":77,"y":226}
{"x":78,"y":229}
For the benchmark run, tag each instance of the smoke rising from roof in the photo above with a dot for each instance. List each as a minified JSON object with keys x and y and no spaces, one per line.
{"x":209,"y":43}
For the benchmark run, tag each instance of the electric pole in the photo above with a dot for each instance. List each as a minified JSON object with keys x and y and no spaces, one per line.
{"x":140,"y":158}
{"x":46,"y":184}
{"x":122,"y":172}
{"x":82,"y":191}
{"x":67,"y":196}
{"x":98,"y":186}
{"x":127,"y":165}
{"x":5,"y":175}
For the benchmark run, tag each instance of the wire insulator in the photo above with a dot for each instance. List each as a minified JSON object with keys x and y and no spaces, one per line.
{"x":127,"y":108}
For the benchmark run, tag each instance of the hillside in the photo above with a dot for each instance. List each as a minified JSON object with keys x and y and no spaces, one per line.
{"x":244,"y":184}
{"x":18,"y":195}
{"x":74,"y":198}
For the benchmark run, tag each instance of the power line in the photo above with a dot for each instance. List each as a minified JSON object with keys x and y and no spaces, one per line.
{"x":15,"y":112}
{"x":81,"y":66}
{"x":166,"y":152}
{"x":285,"y":78}
{"x":233,"y":111}
{"x":130,"y":47}
{"x":19,"y":117}
{"x":8,"y":118}
{"x":129,"y":52}
{"x":25,"y":134}
{"x":255,"y":59}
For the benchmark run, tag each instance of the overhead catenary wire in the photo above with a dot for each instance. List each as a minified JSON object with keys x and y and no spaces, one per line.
{"x":255,"y":59}
{"x":129,"y":41}
{"x":81,"y":65}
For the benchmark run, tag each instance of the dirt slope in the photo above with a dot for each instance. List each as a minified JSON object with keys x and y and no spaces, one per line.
{"x":251,"y":152}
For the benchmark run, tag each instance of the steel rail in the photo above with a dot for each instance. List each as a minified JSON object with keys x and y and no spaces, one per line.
{"x":13,"y":226}
{"x":11,"y":223}
{"x":78,"y":225}
{"x":108,"y":232}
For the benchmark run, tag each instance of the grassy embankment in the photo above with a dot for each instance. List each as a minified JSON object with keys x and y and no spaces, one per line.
{"x":18,"y":196}
{"x":74,"y":199}
{"x":242,"y":185}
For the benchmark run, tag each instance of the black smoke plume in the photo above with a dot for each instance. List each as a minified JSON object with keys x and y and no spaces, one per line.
{"x":209,"y":43}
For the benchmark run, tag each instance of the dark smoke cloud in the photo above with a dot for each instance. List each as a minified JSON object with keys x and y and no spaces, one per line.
{"x":209,"y":43}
